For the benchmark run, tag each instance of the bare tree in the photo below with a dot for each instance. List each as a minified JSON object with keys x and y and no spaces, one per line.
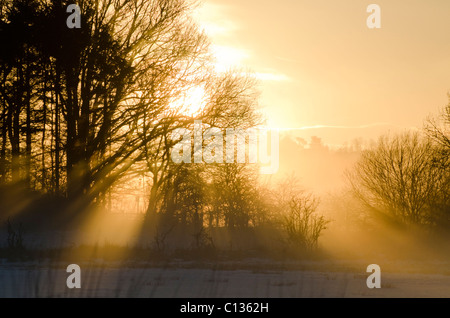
{"x":233,"y":191}
{"x":303,"y":226}
{"x":297,"y":214}
{"x":230,"y":101}
{"x":438,"y":129}
{"x":398,"y":177}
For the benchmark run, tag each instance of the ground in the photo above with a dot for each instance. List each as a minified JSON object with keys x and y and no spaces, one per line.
{"x":247,"y":278}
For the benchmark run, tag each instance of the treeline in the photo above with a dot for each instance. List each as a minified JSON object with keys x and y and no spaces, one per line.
{"x":228,"y":207}
{"x":83,"y":110}
{"x":80,"y":108}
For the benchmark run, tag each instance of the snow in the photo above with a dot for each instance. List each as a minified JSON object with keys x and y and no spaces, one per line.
{"x":212,"y":280}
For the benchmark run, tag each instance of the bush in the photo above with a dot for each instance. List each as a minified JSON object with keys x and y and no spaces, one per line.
{"x":302,"y":224}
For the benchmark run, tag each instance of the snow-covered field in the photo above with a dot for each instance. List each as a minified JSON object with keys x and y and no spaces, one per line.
{"x":216,"y":280}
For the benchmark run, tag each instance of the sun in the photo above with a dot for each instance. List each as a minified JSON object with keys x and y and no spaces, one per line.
{"x":227,"y":57}
{"x":191,"y":101}
{"x":195,"y":99}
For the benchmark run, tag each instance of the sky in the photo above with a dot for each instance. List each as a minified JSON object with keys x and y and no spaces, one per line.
{"x":322,"y":70}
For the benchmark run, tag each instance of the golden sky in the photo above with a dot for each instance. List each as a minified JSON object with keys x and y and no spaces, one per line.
{"x":320,"y":65}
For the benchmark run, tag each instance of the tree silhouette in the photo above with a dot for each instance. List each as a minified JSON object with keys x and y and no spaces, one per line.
{"x":84,"y":108}
{"x":438,"y":129}
{"x":397,"y":177}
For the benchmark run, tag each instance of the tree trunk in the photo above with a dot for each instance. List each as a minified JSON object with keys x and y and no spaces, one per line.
{"x":28,"y":128}
{"x":44,"y":123}
{"x":56,"y":133}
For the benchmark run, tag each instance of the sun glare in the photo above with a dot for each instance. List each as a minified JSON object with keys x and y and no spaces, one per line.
{"x":227,"y":57}
{"x":191,"y":101}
